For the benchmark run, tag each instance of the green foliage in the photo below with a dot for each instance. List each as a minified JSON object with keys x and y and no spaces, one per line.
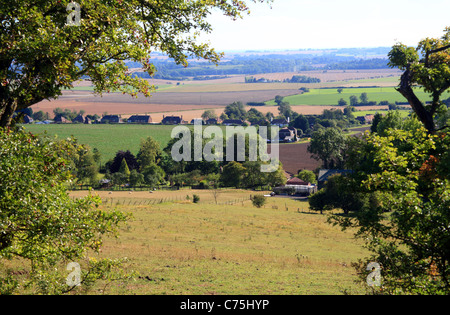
{"x":46,"y":55}
{"x":327,"y":145}
{"x":259,"y":201}
{"x":149,"y":152}
{"x":307,"y":176}
{"x":232,"y":175}
{"x":40,"y":223}
{"x":195,"y":198}
{"x":406,"y":225}
{"x":428,"y":66}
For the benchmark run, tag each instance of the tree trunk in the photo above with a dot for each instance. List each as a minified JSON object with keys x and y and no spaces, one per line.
{"x":424,"y":116}
{"x":7,"y":109}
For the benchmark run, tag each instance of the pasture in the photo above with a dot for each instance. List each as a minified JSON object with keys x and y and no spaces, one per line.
{"x":332,"y":96}
{"x":206,"y":249}
{"x":108,"y":139}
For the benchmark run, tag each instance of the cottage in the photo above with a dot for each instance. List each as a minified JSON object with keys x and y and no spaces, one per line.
{"x":27,"y":119}
{"x":140,"y":119}
{"x":296,"y":186}
{"x":81,"y":119}
{"x":59,"y":119}
{"x":172,"y":120}
{"x":288,"y":134}
{"x":110,"y":119}
{"x":212,"y":121}
{"x":280,"y":122}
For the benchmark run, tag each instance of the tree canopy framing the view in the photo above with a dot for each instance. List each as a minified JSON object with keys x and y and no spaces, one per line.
{"x":428,"y":65}
{"x":40,"y":55}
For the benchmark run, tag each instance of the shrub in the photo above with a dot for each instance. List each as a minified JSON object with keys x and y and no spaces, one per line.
{"x":259,"y":201}
{"x":195,"y":198}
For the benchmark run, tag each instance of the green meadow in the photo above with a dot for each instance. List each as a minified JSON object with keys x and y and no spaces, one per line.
{"x":332,"y":96}
{"x":108,"y":139}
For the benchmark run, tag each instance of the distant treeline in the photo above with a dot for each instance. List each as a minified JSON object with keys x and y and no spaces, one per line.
{"x":253,"y":64}
{"x":294,"y":79}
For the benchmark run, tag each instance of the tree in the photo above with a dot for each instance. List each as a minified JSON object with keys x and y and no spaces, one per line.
{"x":406,"y":229}
{"x":236,"y":110}
{"x":307,"y":176}
{"x":41,"y":55}
{"x":124,"y":169}
{"x":86,"y":168}
{"x":129,"y":158}
{"x":354,"y":100}
{"x":327,"y":145}
{"x":364,"y":98}
{"x":302,"y":123}
{"x":149,"y":153}
{"x":153,"y":174}
{"x":232,"y":175}
{"x":45,"y":227}
{"x":428,"y":65}
{"x":209,"y":114}
{"x":342,"y":102}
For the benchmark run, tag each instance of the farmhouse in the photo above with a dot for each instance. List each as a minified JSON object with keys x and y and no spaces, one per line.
{"x":296,"y":186}
{"x":59,"y":119}
{"x":280,"y":122}
{"x":288,"y":134}
{"x":368,"y":119}
{"x":212,"y":121}
{"x":81,"y":119}
{"x":110,"y":119}
{"x":140,"y":119}
{"x":172,"y":120}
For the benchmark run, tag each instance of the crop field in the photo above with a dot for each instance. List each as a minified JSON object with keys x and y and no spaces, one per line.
{"x":208,"y":249}
{"x":193,"y":97}
{"x":332,"y":96}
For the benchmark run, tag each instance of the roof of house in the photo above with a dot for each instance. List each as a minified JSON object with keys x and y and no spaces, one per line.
{"x":232,"y":122}
{"x":172,"y":119}
{"x":325,"y":174}
{"x":140,"y":118}
{"x":297,"y":181}
{"x":279,"y":122}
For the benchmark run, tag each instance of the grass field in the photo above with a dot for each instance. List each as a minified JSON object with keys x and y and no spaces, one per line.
{"x":108,"y":139}
{"x":206,"y":249}
{"x":331,"y":96}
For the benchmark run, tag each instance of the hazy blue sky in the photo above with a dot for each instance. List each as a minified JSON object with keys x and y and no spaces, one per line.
{"x":302,"y":24}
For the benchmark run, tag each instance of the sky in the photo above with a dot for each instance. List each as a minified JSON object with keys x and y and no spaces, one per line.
{"x":322,"y":24}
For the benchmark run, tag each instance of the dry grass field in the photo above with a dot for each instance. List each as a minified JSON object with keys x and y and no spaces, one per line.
{"x":207,"y":249}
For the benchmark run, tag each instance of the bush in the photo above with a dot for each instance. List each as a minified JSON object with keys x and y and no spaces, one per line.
{"x":41,"y":224}
{"x":259,"y":201}
{"x":195,"y":198}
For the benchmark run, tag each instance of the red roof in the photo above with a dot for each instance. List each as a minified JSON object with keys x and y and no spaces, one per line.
{"x":296,"y":181}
